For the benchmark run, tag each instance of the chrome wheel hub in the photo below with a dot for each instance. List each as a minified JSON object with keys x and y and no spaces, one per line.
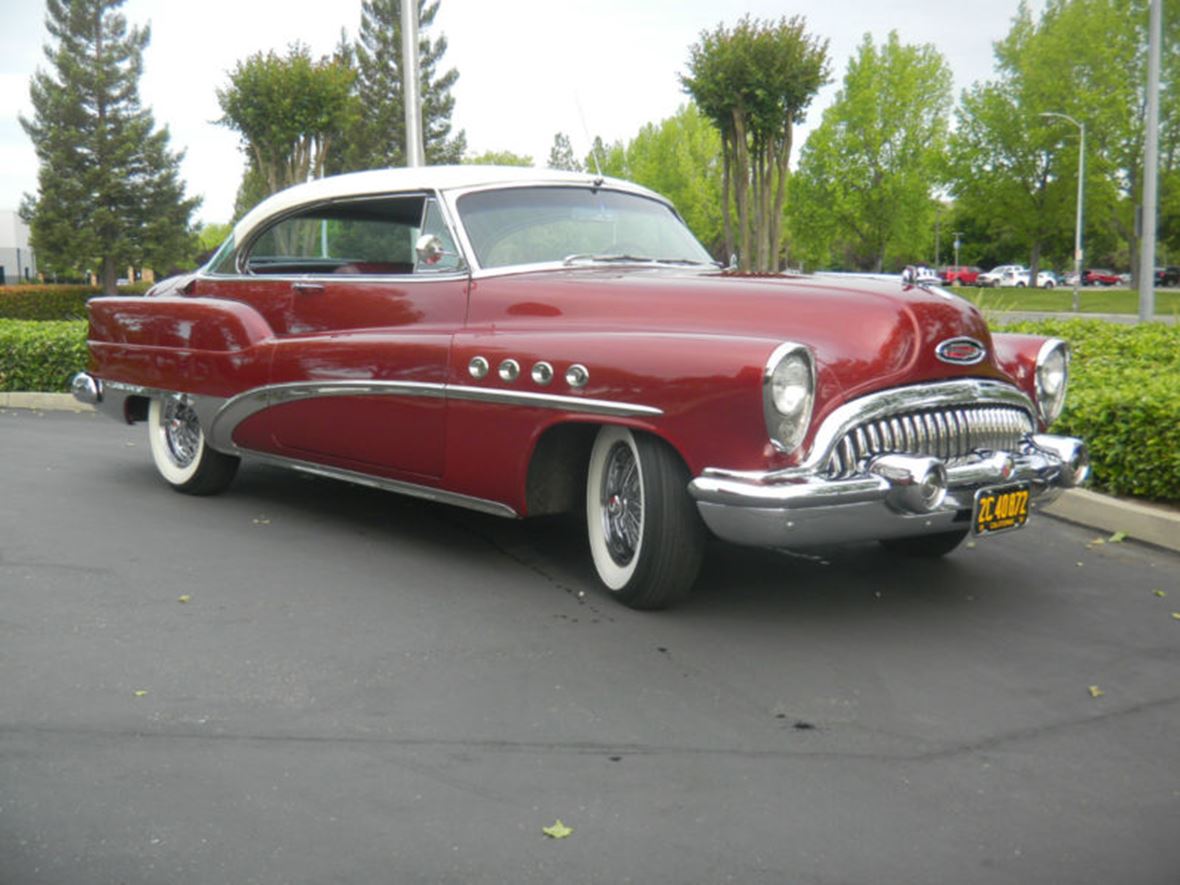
{"x":182,"y":431}
{"x":622,"y":504}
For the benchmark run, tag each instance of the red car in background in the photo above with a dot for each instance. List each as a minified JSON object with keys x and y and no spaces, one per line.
{"x":1096,"y":277}
{"x":959,"y":275}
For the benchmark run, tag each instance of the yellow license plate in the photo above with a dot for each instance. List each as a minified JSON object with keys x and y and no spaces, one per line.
{"x":999,"y":508}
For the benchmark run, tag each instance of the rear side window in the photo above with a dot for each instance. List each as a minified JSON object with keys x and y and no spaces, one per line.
{"x":372,"y":236}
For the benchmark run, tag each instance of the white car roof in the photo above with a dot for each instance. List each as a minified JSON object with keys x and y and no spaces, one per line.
{"x":420,"y":178}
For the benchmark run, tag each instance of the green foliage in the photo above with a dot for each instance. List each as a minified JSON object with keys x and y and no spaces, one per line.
{"x":53,"y":302}
{"x":561,"y":155}
{"x":499,"y":158}
{"x":754,"y":83}
{"x":863,"y":194}
{"x":1017,"y":172}
{"x":680,"y":158}
{"x":109,"y":191}
{"x":1124,"y":400}
{"x":288,"y":110}
{"x":40,"y":356}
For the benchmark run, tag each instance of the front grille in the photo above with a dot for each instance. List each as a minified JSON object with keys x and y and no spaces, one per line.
{"x":947,"y":433}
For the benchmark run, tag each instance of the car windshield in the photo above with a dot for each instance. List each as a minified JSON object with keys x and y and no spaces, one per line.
{"x":574,"y":225}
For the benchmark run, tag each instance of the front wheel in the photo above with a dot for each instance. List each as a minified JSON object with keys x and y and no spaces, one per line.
{"x":925,"y":546}
{"x":646,"y":537}
{"x":179,"y":451}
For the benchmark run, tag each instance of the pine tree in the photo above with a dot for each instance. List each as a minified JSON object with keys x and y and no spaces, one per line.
{"x":561,"y":154}
{"x":378,"y":138}
{"x":109,"y":189}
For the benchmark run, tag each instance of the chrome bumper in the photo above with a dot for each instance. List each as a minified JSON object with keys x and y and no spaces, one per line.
{"x":896,"y":496}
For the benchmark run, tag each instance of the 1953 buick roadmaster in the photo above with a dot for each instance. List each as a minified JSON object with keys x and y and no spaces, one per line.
{"x":524,"y":342}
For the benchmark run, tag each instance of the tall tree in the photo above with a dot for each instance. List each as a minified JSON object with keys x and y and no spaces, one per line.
{"x":1086,"y":59}
{"x":755,"y":82}
{"x":288,"y":112}
{"x":109,"y":188}
{"x":499,"y":158}
{"x":863,"y":194}
{"x":378,"y":138}
{"x":561,"y":155}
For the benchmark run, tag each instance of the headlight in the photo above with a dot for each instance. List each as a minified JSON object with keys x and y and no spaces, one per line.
{"x":1052,"y":379}
{"x":788,"y":391}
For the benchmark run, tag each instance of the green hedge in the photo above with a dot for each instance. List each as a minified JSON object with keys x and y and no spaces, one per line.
{"x":53,"y":302}
{"x":1124,"y":400}
{"x":1124,"y":396}
{"x":41,"y":356}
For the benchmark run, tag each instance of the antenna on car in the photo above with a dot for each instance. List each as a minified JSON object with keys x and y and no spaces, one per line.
{"x":586,"y":131}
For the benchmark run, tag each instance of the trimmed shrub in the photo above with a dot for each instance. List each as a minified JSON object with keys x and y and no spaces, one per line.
{"x":1124,"y":400}
{"x":53,"y":302}
{"x":41,"y":356}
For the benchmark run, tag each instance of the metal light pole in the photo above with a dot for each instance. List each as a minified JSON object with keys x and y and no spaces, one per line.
{"x":1151,"y":169}
{"x":958,"y":243}
{"x":1077,"y":237}
{"x":415,"y":152}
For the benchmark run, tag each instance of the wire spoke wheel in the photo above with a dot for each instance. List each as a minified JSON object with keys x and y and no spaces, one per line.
{"x":179,"y":451}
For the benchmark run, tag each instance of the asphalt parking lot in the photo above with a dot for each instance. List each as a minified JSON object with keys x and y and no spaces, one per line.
{"x":305,"y":682}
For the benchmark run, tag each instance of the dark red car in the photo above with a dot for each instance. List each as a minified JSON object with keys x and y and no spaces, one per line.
{"x":959,"y":275}
{"x":1096,"y":277}
{"x":525,"y":342}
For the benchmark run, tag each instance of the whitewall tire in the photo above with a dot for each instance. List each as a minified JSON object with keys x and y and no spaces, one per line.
{"x":646,"y":537}
{"x":179,"y":452}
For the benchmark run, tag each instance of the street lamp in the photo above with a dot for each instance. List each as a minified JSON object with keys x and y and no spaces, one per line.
{"x":1077,"y":237}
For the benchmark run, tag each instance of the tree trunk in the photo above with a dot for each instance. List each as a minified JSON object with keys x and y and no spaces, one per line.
{"x":726,"y":217}
{"x":742,"y":187}
{"x":1034,"y":264}
{"x":109,"y":276}
{"x":780,"y":197}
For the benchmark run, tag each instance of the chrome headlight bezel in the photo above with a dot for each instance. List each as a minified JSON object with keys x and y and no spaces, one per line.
{"x":1052,"y":377}
{"x":788,"y":395}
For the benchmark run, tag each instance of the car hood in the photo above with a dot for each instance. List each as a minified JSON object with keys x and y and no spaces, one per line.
{"x":865,"y":333}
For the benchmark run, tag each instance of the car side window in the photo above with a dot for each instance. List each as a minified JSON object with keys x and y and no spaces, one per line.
{"x":371,"y":236}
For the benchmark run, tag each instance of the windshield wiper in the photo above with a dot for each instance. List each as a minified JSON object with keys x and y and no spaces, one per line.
{"x":606,"y":258}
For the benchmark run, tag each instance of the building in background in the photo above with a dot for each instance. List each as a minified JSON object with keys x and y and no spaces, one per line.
{"x":18,"y":264}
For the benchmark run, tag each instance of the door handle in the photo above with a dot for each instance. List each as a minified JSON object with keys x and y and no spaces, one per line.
{"x":308,"y":288}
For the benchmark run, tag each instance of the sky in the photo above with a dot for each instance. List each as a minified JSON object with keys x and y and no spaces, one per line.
{"x":528,"y":69}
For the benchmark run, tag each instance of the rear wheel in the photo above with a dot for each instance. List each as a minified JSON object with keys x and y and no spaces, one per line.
{"x":926,"y":546}
{"x":179,"y":451}
{"x":646,"y":537}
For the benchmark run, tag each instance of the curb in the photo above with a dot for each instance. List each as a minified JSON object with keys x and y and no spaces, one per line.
{"x":43,"y":402}
{"x":1150,"y":523}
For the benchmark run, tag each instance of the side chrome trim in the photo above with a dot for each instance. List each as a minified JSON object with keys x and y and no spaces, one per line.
{"x":582,"y":405}
{"x":413,"y":490}
{"x":222,"y":423}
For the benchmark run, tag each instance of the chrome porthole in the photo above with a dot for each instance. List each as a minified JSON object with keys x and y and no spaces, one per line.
{"x":478,"y":367}
{"x":509,"y":370}
{"x":577,"y":375}
{"x":542,"y":373}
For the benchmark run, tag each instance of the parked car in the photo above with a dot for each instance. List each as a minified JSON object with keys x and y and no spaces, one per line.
{"x":1046,"y":279}
{"x":1096,"y":277}
{"x":959,"y":275}
{"x":525,"y":342}
{"x":1167,"y":276}
{"x":995,"y":276}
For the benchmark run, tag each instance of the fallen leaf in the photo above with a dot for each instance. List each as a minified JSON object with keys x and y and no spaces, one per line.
{"x":183,"y":599}
{"x":1096,"y":692}
{"x":1081,"y":564}
{"x":557,"y":831}
{"x":1160,"y":593}
{"x":261,"y":520}
{"x":140,"y":693}
{"x":1096,"y":541}
{"x":1118,"y":537}
{"x":1176,"y":616}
